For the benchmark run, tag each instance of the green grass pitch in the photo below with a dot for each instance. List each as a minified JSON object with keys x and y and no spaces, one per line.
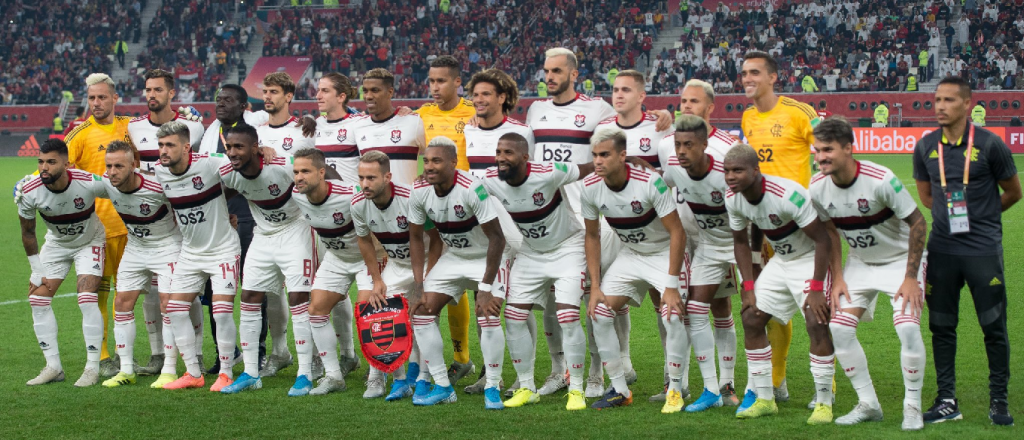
{"x":61,"y":410}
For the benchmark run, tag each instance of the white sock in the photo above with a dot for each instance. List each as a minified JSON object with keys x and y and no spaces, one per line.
{"x":431,"y":348}
{"x":823,"y":369}
{"x":124,"y":340}
{"x":223,"y":313}
{"x":662,"y":335}
{"x":375,"y":374}
{"x":249,"y":326}
{"x":725,"y":342}
{"x":851,"y":356}
{"x":195,"y":315}
{"x":674,"y":341}
{"x":520,"y":346}
{"x":574,"y":344}
{"x":912,"y":355}
{"x":151,"y":315}
{"x":596,"y":367}
{"x":622,"y":330}
{"x":492,"y":345}
{"x":759,"y":364}
{"x":608,"y":345}
{"x":303,"y":338}
{"x":685,"y":349}
{"x":44,"y":322}
{"x":326,"y":344}
{"x":170,"y":349}
{"x":184,"y":336}
{"x":92,"y":328}
{"x":703,"y":340}
{"x":399,"y":374}
{"x":553,"y":333}
{"x":277,"y":317}
{"x":343,"y":316}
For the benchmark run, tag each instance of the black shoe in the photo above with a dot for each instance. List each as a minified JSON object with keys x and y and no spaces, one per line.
{"x":943,"y":410}
{"x":214,"y":369}
{"x":999,"y":413}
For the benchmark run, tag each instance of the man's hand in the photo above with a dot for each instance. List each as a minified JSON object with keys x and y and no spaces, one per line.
{"x":488,"y":305}
{"x":816,"y":303}
{"x":665,"y":119}
{"x":18,"y":186}
{"x":233,"y":219}
{"x":596,"y":298}
{"x":839,"y":289}
{"x":404,"y":111}
{"x":633,"y":160}
{"x":190,"y":113}
{"x":308,"y":124}
{"x":268,"y":154}
{"x":749,"y":301}
{"x":674,"y":302}
{"x":474,"y":121}
{"x":377,"y":297}
{"x":910,"y":291}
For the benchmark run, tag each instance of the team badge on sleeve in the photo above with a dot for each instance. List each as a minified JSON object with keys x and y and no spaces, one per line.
{"x":197,"y":182}
{"x":385,"y":335}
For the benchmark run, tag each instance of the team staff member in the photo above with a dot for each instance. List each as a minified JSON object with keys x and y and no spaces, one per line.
{"x":959,"y":172}
{"x":447,"y":116}
{"x":781,"y":131}
{"x":87,"y":151}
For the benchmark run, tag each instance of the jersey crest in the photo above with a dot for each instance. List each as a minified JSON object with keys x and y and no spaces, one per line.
{"x":637,"y":207}
{"x":342,"y":135}
{"x":775,"y":219}
{"x":197,"y":182}
{"x":287,"y":144}
{"x":538,"y":198}
{"x":339,"y":218}
{"x":460,"y":212}
{"x":396,"y":135}
{"x":862,"y":206}
{"x":645,"y":144}
{"x":144,"y":209}
{"x":716,"y":197}
{"x":274,"y":190}
{"x":79,"y":203}
{"x":581,"y":120}
{"x":402,"y":222}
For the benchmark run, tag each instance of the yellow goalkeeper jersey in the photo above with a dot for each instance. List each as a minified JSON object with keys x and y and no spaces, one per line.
{"x":437,"y":122}
{"x":87,"y":150}
{"x":782,"y":138}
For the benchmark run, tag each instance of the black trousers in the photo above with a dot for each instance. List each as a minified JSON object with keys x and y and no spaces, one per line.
{"x":946,"y":276}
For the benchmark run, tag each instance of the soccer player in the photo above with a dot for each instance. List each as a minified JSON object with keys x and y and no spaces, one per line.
{"x":381,"y":211}
{"x":698,"y":98}
{"x":400,"y":137}
{"x":65,"y":199}
{"x":639,"y":207}
{"x":780,"y":131}
{"x":886,"y":233}
{"x":336,"y":127}
{"x":447,"y":116}
{"x":477,"y":256}
{"x":327,"y":204}
{"x":142,"y":130}
{"x":209,"y":250}
{"x":495,"y":96}
{"x":283,"y":250}
{"x":152,"y":251}
{"x":781,"y":209}
{"x":86,"y":151}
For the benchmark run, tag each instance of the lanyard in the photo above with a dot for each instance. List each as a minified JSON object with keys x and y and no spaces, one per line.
{"x":967,"y":159}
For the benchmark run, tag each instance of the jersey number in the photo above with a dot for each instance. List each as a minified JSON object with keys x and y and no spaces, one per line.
{"x":863,"y":241}
{"x":192,"y":218}
{"x":557,"y":155}
{"x":638,"y":237}
{"x":457,"y":243}
{"x":764,"y":154}
{"x":71,"y":230}
{"x":783,"y":249}
{"x":538,"y":232}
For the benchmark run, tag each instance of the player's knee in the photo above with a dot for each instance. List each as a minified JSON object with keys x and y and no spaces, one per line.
{"x":842,"y":331}
{"x":754,"y":322}
{"x":721,"y":308}
{"x":124,"y":302}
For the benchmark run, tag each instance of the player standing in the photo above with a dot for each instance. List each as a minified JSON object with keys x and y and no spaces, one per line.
{"x":495,"y":96}
{"x":886,"y":233}
{"x":65,"y":199}
{"x":336,"y":127}
{"x":400,"y":137}
{"x":781,"y":209}
{"x":467,"y":221}
{"x":632,"y":201}
{"x":209,"y":250}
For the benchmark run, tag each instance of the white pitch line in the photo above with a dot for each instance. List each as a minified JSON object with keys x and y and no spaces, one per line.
{"x":19,"y":301}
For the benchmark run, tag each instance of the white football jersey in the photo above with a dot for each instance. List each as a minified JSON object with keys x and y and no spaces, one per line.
{"x":482,"y":142}
{"x":401,"y":138}
{"x":285,"y":139}
{"x":212,"y":137}
{"x":457,"y":215}
{"x":197,"y":196}
{"x":332,"y":219}
{"x":706,"y":199}
{"x":337,"y":139}
{"x":538,"y":205}
{"x":869,"y":212}
{"x":143,"y":134}
{"x":635,"y":211}
{"x":146,"y":213}
{"x":784,"y":209}
{"x":70,"y":215}
{"x":390,"y":225}
{"x":642,"y":138}
{"x":269,"y":195}
{"x":719,"y":143}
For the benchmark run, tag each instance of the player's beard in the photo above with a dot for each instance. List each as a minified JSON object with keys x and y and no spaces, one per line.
{"x":512,"y":173}
{"x":562,"y":87}
{"x":271,"y":109}
{"x":49,"y":179}
{"x":156,"y":107}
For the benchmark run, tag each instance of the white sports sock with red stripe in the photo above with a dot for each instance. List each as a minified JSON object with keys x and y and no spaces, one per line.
{"x":608,"y":345}
{"x":124,"y":340}
{"x":520,"y":346}
{"x":703,"y":340}
{"x":574,"y":345}
{"x":277,"y":321}
{"x":553,"y":333}
{"x":912,"y":354}
{"x":92,"y":328}
{"x":303,"y":338}
{"x":223,"y":313}
{"x":675,"y":339}
{"x":195,"y":314}
{"x":685,"y":348}
{"x":851,"y":356}
{"x":623,"y":326}
{"x":44,"y":322}
{"x":170,"y":349}
{"x":153,"y":319}
{"x":343,"y":316}
{"x":249,"y":326}
{"x":596,"y":366}
{"x":823,"y":369}
{"x":431,"y":348}
{"x":725,"y":342}
{"x":184,"y":336}
{"x":492,"y":345}
{"x":326,"y":344}
{"x":759,"y":365}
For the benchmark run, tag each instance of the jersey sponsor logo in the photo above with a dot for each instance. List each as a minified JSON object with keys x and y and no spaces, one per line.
{"x":645,"y":144}
{"x":287,"y":143}
{"x":775,"y":219}
{"x":460,"y":212}
{"x":79,"y":203}
{"x":197,"y":182}
{"x":342,"y":135}
{"x":144,"y":209}
{"x":339,"y":218}
{"x":637,"y":207}
{"x":797,"y":199}
{"x":402,"y":222}
{"x":581,"y":120}
{"x":716,"y":197}
{"x":538,"y":198}
{"x":396,"y":135}
{"x":274,"y":190}
{"x":862,"y":206}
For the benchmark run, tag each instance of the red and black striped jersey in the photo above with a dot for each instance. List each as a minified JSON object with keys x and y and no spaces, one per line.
{"x":269,"y":194}
{"x":538,"y":205}
{"x":457,"y":214}
{"x":642,"y":139}
{"x":400,"y":137}
{"x":332,"y":219}
{"x":146,"y":213}
{"x":70,"y":215}
{"x":481,"y":143}
{"x":634,"y":211}
{"x":785,"y":208}
{"x":197,"y":196}
{"x":389,"y":224}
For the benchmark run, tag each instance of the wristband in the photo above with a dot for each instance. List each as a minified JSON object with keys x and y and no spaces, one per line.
{"x":815,"y":285}
{"x":483,"y":287}
{"x":748,"y":286}
{"x":756,"y":258}
{"x":672,"y":282}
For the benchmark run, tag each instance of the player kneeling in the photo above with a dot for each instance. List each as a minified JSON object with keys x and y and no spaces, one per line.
{"x":632,"y":200}
{"x":886,"y":233}
{"x":456,"y":202}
